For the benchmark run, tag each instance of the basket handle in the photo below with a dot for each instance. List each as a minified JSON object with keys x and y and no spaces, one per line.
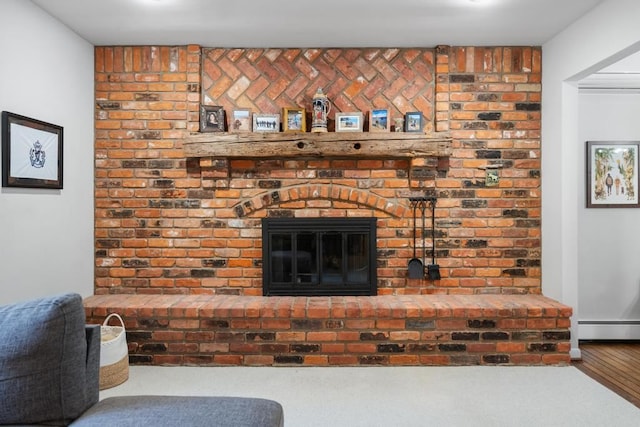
{"x":116,"y":315}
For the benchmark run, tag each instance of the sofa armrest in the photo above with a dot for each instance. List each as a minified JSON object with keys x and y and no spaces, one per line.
{"x":93,"y":363}
{"x":43,"y":360}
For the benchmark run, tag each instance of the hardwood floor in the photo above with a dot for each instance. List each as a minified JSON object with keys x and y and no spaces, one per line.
{"x":616,"y":365}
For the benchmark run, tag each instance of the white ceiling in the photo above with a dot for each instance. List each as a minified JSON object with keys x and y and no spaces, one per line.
{"x":334,"y":23}
{"x":320,"y":23}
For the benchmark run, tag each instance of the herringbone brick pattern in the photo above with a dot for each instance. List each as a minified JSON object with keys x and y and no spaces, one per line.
{"x":266,"y":80}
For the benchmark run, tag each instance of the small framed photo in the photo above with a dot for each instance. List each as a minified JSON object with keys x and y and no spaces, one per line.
{"x":294,"y":120}
{"x":240,"y":120}
{"x":349,"y":122}
{"x":266,"y":122}
{"x":31,"y":152}
{"x":612,"y":174}
{"x":211,"y":118}
{"x":413,"y":122}
{"x":379,"y":121}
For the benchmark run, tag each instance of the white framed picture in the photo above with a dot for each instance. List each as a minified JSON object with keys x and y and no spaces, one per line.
{"x":266,"y":122}
{"x":349,"y":122}
{"x":612,"y":174}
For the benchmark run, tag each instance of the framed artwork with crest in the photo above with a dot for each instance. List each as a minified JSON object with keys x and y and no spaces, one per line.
{"x":31,"y":152}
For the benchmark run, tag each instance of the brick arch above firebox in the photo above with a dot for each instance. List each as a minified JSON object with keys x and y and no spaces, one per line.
{"x":322,"y":191}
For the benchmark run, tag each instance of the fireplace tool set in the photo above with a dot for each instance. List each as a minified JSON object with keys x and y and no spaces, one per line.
{"x":416,"y":265}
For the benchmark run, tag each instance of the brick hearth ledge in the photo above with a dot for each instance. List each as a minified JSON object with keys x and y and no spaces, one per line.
{"x":348,"y":331}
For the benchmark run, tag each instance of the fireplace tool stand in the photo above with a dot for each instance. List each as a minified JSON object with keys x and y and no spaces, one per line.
{"x":416,"y":266}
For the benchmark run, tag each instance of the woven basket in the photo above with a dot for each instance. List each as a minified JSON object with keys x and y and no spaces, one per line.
{"x":114,"y":355}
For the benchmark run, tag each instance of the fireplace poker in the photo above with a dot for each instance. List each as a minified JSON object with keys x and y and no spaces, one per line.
{"x":433,"y":269}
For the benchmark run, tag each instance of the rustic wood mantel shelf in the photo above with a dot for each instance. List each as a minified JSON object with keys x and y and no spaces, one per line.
{"x":323,"y":145}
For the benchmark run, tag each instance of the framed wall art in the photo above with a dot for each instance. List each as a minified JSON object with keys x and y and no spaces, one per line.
{"x":266,"y":122}
{"x":379,"y":121}
{"x":349,"y":122}
{"x":211,"y":118}
{"x":294,"y":120}
{"x":31,"y":152}
{"x":612,"y":174}
{"x":240,"y":120}
{"x":413,"y":122}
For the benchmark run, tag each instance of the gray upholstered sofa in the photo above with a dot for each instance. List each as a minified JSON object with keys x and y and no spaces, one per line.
{"x":49,"y":369}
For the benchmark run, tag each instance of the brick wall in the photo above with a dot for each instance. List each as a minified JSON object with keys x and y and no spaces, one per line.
{"x":167,"y":224}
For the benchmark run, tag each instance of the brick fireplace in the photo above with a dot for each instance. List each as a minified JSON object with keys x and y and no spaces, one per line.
{"x":179,"y":225}
{"x":170,"y":223}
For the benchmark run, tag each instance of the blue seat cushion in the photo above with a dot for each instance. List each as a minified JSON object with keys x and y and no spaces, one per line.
{"x":192,"y":411}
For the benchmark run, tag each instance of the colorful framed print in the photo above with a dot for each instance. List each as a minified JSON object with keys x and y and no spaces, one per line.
{"x":294,"y":120}
{"x":379,"y":121}
{"x":413,"y":122}
{"x":31,"y":152}
{"x":612,"y":174}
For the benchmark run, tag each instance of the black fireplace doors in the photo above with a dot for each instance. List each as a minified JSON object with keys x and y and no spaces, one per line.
{"x":319,"y":256}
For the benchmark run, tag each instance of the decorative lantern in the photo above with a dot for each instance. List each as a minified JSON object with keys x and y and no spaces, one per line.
{"x":321,"y":108}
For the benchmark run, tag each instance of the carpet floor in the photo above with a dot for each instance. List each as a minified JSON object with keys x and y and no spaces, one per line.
{"x":475,"y":396}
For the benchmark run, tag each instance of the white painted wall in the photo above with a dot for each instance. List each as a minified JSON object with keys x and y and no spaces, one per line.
{"x":606,"y":34}
{"x":608,"y":239}
{"x":46,"y":236}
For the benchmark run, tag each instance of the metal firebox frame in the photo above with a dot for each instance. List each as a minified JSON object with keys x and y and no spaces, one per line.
{"x":292,"y":286}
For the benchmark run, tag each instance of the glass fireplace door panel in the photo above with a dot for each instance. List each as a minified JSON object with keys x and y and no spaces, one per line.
{"x":357,"y":258}
{"x":307,"y":258}
{"x":282,"y":251}
{"x":332,"y":259}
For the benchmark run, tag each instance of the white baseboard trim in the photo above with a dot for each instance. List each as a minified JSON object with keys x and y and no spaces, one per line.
{"x":609,"y":329}
{"x":575,"y":354}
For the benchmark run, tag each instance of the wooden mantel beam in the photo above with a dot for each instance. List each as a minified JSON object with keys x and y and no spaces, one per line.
{"x":332,"y":144}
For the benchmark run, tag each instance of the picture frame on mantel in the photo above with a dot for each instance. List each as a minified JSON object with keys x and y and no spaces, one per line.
{"x":349,"y":122}
{"x":612,"y":174}
{"x":413,"y":122}
{"x":379,"y":121}
{"x":240,"y":121}
{"x":31,"y":152}
{"x":211,"y":118}
{"x":294,"y":120}
{"x":266,"y":122}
